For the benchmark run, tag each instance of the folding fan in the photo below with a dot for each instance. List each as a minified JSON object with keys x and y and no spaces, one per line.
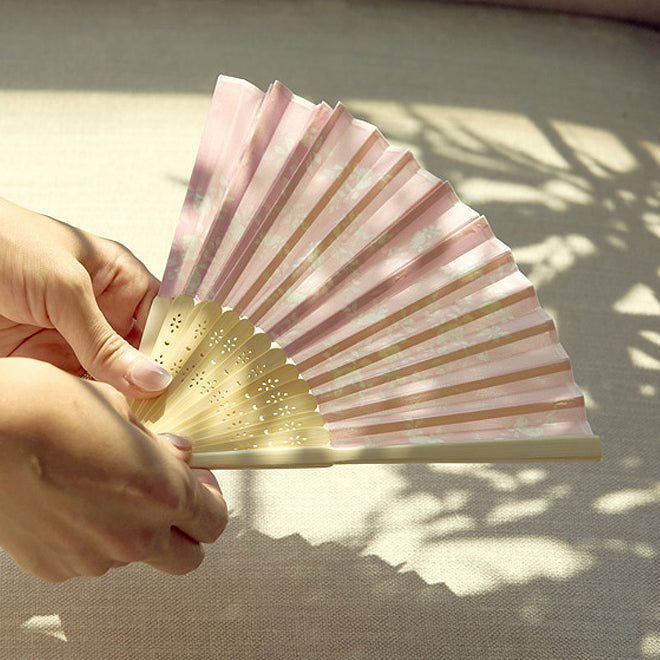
{"x":326,"y":300}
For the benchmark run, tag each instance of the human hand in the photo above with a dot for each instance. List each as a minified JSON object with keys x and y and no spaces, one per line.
{"x":84,"y":488}
{"x":75,"y":300}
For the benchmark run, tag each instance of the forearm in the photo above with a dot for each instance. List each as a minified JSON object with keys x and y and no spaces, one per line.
{"x":25,"y":414}
{"x":24,"y":409}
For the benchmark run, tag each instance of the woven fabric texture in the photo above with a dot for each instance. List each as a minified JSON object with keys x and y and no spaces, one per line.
{"x":548,"y":124}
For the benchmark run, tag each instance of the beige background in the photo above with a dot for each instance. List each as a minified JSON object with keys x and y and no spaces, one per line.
{"x":546,"y":123}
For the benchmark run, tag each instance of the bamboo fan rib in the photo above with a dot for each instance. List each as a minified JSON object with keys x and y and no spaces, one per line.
{"x":327,"y":300}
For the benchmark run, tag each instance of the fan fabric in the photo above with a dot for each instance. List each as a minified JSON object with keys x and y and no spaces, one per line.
{"x":354,"y":306}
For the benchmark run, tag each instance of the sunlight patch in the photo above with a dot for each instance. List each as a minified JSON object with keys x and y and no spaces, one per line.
{"x":512,"y":511}
{"x":646,"y":389}
{"x":652,"y":222}
{"x":625,"y":500}
{"x":46,"y":624}
{"x":480,"y":565}
{"x":599,"y":150}
{"x":653,"y":149}
{"x":639,"y":300}
{"x":642,"y":360}
{"x":553,"y":256}
{"x":650,"y":646}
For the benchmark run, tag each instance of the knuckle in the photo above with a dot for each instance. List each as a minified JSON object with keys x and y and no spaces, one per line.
{"x":213,"y":512}
{"x":214,"y":527}
{"x":95,"y":567}
{"x":213,"y":516}
{"x":75,"y":279}
{"x":55,"y":577}
{"x":139,"y":546}
{"x":195,"y":560}
{"x":109,"y":346}
{"x":188,"y":496}
{"x":170,"y":491}
{"x":47,"y":573}
{"x":37,"y":568}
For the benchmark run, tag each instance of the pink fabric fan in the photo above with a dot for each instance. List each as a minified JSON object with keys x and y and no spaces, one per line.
{"x":326,"y":300}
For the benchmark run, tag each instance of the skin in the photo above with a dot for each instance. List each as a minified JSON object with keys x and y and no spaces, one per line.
{"x":83,"y":486}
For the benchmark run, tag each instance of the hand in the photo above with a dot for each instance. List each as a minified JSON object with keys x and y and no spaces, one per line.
{"x":84,"y":488}
{"x":75,"y":300}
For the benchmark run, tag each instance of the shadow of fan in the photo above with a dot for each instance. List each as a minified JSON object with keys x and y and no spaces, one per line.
{"x":254,"y":597}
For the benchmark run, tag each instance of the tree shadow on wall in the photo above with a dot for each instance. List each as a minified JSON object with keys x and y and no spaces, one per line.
{"x":554,"y":556}
{"x":587,"y":233}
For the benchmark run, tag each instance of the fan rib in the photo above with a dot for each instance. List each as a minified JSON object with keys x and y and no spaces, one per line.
{"x":339,"y":115}
{"x":226,"y":127}
{"x":310,"y":217}
{"x":573,"y":446}
{"x":360,"y":140}
{"x":356,"y":412}
{"x":416,"y":368}
{"x":388,"y":287}
{"x":307,"y":262}
{"x":430,"y":333}
{"x":320,"y":119}
{"x":435,"y":196}
{"x":356,"y":431}
{"x":268,"y":116}
{"x":236,"y":104}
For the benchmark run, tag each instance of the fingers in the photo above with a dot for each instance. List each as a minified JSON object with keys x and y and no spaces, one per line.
{"x":179,"y":445}
{"x":205,"y":515}
{"x":75,"y":313}
{"x":172,"y":542}
{"x":126,"y":300}
{"x":180,"y":556}
{"x":202,"y":510}
{"x":192,"y":498}
{"x":207,"y":478}
{"x":143,"y":307}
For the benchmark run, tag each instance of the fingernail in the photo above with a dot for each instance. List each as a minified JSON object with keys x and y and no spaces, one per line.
{"x":149,"y":376}
{"x":182,"y":442}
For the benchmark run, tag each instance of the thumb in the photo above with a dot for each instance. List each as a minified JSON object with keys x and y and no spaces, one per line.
{"x":105,"y":355}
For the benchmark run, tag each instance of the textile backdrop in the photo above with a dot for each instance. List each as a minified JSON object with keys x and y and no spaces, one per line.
{"x":546,"y":123}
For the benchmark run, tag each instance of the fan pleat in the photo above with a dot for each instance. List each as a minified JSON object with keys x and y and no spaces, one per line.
{"x":462,"y":354}
{"x":257,"y":222}
{"x":368,"y":191}
{"x":214,"y":246}
{"x":504,"y":376}
{"x":320,"y":178}
{"x":421,"y":337}
{"x":248,"y":220}
{"x":233,"y":107}
{"x":543,"y":406}
{"x":409,"y":289}
{"x":530,"y":428}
